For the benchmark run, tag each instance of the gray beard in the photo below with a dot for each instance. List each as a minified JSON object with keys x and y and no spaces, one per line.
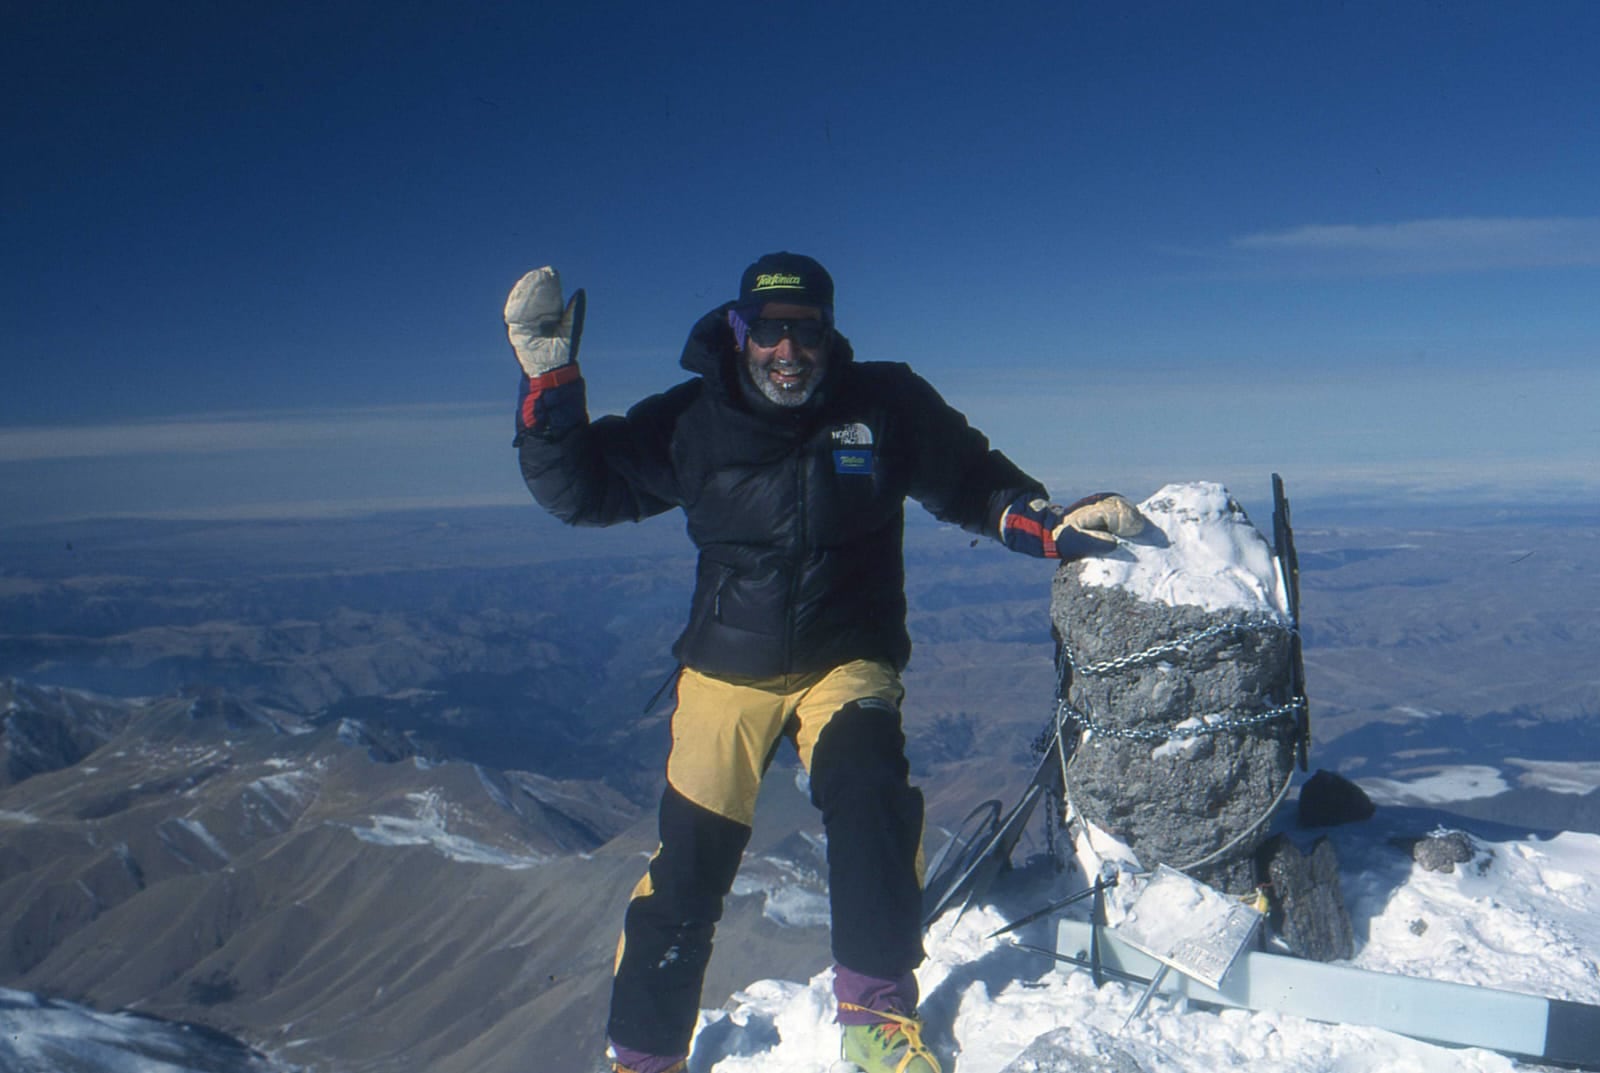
{"x":756,"y":380}
{"x":787,"y":399}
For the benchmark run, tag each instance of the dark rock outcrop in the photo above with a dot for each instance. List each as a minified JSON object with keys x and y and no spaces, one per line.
{"x":1443,"y":850}
{"x":1077,"y":1049}
{"x":1308,"y":909}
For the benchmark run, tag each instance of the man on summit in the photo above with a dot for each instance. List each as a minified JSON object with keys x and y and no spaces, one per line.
{"x":791,"y":462}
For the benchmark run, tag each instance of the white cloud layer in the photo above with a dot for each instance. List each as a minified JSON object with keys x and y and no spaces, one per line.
{"x":1520,"y":435}
{"x":1437,"y":245}
{"x":268,"y":431}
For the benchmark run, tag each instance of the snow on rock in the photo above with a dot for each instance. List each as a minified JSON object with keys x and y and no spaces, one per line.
{"x":198,"y":831}
{"x":278,"y":800}
{"x":1200,"y":549}
{"x":189,"y":841}
{"x":795,"y":897}
{"x":1558,"y":776}
{"x":47,"y":1036}
{"x":428,"y":827}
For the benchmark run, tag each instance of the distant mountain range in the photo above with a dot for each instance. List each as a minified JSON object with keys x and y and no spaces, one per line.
{"x":370,"y":794}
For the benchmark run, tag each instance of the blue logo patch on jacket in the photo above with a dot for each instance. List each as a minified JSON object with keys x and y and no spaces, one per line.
{"x":853,"y":460}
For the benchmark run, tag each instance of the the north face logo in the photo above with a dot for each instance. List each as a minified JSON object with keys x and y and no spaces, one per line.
{"x":856,"y":435}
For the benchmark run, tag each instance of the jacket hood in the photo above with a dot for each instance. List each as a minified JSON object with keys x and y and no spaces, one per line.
{"x":712,"y":355}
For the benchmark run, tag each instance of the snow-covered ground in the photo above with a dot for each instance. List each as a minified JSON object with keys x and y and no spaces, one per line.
{"x":1424,"y":785}
{"x":1524,"y":915}
{"x":1460,"y":783}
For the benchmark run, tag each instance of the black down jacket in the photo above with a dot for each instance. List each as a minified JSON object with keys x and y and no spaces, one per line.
{"x":797,"y":514}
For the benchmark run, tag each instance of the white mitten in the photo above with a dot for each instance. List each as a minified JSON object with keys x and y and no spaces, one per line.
{"x":1105,"y":513}
{"x":543,"y":333}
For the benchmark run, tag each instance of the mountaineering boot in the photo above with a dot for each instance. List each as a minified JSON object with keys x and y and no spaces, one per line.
{"x":892,"y":1045}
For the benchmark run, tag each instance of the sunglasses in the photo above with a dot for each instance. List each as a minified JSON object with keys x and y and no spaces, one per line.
{"x":767,"y":332}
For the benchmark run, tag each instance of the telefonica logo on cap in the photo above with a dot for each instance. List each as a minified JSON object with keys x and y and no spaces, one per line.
{"x":770,"y":281}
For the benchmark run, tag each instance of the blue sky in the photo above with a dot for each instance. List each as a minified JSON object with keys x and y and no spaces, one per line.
{"x":254,"y":259}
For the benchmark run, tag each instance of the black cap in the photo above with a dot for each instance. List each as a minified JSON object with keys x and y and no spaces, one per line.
{"x":787,"y":277}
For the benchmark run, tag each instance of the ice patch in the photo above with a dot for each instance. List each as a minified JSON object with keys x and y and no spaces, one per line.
{"x":1411,"y":712}
{"x":279,"y":799}
{"x":207,"y":839}
{"x":196,"y":833}
{"x":1437,"y":785}
{"x":291,"y":786}
{"x":1558,"y":776}
{"x":1178,"y":748}
{"x":795,"y":898}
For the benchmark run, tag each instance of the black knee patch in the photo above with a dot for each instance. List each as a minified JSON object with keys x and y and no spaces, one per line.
{"x":873,"y":817}
{"x":862,"y":747}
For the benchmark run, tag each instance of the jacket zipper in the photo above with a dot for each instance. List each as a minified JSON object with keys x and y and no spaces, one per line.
{"x":796,"y":558}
